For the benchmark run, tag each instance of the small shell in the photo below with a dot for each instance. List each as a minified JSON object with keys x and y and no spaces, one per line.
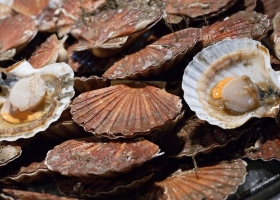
{"x":209,"y":182}
{"x":15,"y":31}
{"x":58,"y":81}
{"x":229,"y":58}
{"x":156,"y":57}
{"x":90,"y":156}
{"x":29,"y":7}
{"x":51,"y":51}
{"x":125,"y":110}
{"x":8,"y":152}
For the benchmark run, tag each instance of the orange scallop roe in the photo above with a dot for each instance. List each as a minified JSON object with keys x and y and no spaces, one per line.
{"x":217,"y":90}
{"x":21,"y":117}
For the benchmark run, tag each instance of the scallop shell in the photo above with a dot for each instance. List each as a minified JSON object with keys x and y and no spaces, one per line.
{"x":8,"y":152}
{"x":58,"y":78}
{"x":209,"y":182}
{"x":228,"y":58}
{"x":240,"y":25}
{"x":125,"y":110}
{"x":5,"y":11}
{"x":156,"y":57}
{"x":29,"y":7}
{"x":83,"y":84}
{"x":15,"y":31}
{"x":49,"y":52}
{"x":90,"y":156}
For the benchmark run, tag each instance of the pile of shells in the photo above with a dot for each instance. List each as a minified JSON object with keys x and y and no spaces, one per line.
{"x":155,"y":99}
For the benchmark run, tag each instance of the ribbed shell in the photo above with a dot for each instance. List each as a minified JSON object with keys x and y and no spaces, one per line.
{"x":125,"y":110}
{"x":194,"y":8}
{"x":114,"y":27}
{"x":227,"y":58}
{"x":240,"y":25}
{"x":90,"y":156}
{"x":156,"y":57}
{"x":8,"y":152}
{"x":47,"y":53}
{"x":15,"y":31}
{"x":59,"y":81}
{"x":29,"y":7}
{"x":211,"y":182}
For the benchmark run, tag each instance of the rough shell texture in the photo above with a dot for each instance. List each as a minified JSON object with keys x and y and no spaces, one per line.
{"x":8,"y":152}
{"x":240,"y":25}
{"x":193,"y":8}
{"x":47,"y":53}
{"x":114,"y":27}
{"x":125,"y":110}
{"x":227,"y":58}
{"x":15,"y":31}
{"x":24,"y":195}
{"x":90,"y":156}
{"x":29,"y":7}
{"x":210,"y":182}
{"x":58,"y":78}
{"x":156,"y":57}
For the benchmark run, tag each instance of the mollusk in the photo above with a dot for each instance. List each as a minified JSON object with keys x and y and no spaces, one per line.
{"x":232,"y":81}
{"x":31,"y":99}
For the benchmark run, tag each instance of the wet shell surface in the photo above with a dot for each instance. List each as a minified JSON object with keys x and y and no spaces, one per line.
{"x":156,"y":57}
{"x":209,"y":182}
{"x":33,"y":98}
{"x":125,"y":110}
{"x":8,"y":152}
{"x":90,"y":156}
{"x":230,"y":82}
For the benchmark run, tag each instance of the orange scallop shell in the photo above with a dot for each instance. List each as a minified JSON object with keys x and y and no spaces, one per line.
{"x":209,"y":182}
{"x":47,"y":53}
{"x":156,"y":57}
{"x":240,"y":25}
{"x":29,"y":7}
{"x":90,"y":156}
{"x":15,"y":31}
{"x":125,"y":110}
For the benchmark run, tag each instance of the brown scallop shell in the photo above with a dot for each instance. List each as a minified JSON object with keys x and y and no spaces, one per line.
{"x":194,"y":8}
{"x":15,"y":31}
{"x":83,"y":84}
{"x":250,"y":5}
{"x":209,"y":182}
{"x":125,"y":110}
{"x":156,"y":57}
{"x":25,"y":195}
{"x":90,"y":156}
{"x":29,"y":7}
{"x":48,"y":52}
{"x":268,"y":7}
{"x":264,"y":144}
{"x":8,"y":152}
{"x":115,"y":28}
{"x":240,"y":25}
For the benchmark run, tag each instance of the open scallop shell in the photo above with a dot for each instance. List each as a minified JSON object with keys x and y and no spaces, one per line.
{"x":208,"y":182}
{"x":125,"y":110}
{"x":58,"y":79}
{"x":228,"y":58}
{"x":90,"y":156}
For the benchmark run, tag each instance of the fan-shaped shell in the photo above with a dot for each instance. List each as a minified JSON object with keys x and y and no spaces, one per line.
{"x":210,"y":182}
{"x":15,"y":31}
{"x":29,"y":7}
{"x":88,"y":156}
{"x":58,"y":79}
{"x":228,"y":58}
{"x":125,"y":110}
{"x":240,"y":25}
{"x":156,"y":57}
{"x":49,"y":52}
{"x":8,"y":152}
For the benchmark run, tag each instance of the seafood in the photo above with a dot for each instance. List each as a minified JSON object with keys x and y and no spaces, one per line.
{"x":232,"y":81}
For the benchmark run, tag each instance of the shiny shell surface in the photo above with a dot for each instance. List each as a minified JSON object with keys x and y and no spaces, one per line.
{"x":228,"y":58}
{"x":8,"y":152}
{"x":90,"y":156}
{"x":125,"y":110}
{"x":156,"y":57}
{"x":58,"y":83}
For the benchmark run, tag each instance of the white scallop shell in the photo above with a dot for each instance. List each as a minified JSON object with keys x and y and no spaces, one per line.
{"x":227,"y":58}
